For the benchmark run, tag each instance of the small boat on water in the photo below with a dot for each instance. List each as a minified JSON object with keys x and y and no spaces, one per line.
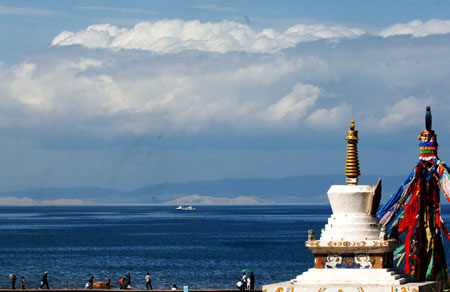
{"x":186,"y":208}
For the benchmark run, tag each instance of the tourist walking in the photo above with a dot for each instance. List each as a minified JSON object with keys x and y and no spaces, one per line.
{"x":44,"y":281}
{"x":148,"y":281}
{"x":91,"y":282}
{"x":128,"y":280}
{"x":23,"y":282}
{"x":252,"y":281}
{"x":13,"y":278}
{"x":108,"y":282}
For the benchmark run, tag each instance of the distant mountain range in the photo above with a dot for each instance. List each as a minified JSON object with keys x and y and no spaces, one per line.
{"x":301,"y":189}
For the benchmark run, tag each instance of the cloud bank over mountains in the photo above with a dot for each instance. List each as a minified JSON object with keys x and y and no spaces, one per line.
{"x":172,"y":101}
{"x":192,"y":77}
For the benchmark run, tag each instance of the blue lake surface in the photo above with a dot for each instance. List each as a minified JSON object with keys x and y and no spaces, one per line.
{"x":206,"y":248}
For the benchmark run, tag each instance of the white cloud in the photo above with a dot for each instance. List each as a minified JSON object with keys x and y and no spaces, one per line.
{"x":331,"y":118}
{"x":313,"y":85}
{"x":173,"y":100}
{"x":418,"y":28}
{"x":64,"y":90}
{"x":28,"y":90}
{"x":320,"y":31}
{"x":95,"y":36}
{"x":295,"y":105}
{"x":83,"y":63}
{"x":172,"y":36}
{"x":399,"y":114}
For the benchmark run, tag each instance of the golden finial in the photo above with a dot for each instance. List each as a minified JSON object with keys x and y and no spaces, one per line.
{"x":352,"y":163}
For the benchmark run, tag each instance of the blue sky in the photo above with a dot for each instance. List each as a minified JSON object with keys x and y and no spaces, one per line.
{"x":123,"y":94}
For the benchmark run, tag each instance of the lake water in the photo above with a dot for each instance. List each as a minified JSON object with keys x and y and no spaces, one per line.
{"x":206,"y":248}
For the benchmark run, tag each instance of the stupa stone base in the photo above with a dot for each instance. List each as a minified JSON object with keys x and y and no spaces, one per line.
{"x":408,"y":287}
{"x":350,"y":276}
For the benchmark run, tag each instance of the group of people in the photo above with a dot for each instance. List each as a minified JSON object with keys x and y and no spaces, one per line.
{"x":246,"y":282}
{"x":125,"y":282}
{"x":13,"y":277}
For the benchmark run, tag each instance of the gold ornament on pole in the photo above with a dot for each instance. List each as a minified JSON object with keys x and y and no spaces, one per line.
{"x":351,"y":163}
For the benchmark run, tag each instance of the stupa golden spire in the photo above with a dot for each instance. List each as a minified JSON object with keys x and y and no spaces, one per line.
{"x":351,"y":162}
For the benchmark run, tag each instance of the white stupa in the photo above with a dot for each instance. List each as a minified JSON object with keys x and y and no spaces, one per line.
{"x":352,"y":253}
